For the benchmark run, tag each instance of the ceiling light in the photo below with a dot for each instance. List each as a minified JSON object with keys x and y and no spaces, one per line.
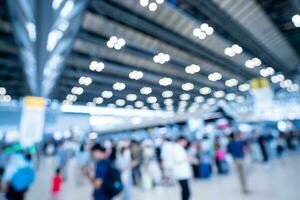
{"x":98,"y":100}
{"x":231,"y":82}
{"x":256,"y":61}
{"x":219,"y":94}
{"x":267,"y":72}
{"x":138,"y":104}
{"x":2,"y":91}
{"x":215,"y":76}
{"x":296,"y":20}
{"x":66,"y":102}
{"x":237,"y":49}
{"x":68,"y":7}
{"x":229,"y":52}
{"x":244,"y":87}
{"x":146,"y":90}
{"x":136,"y":75}
{"x":205,"y":90}
{"x":293,"y":88}
{"x":211,"y":101}
{"x":152,"y":7}
{"x":119,"y":86}
{"x":152,"y":99}
{"x":277,"y":78}
{"x":187,"y":86}
{"x":107,"y":94}
{"x":167,"y":94}
{"x":120,"y":102}
{"x":165,"y":81}
{"x":199,"y":99}
{"x":230,"y":96}
{"x":96,"y":66}
{"x":144,"y":3}
{"x":160,"y":1}
{"x":192,"y":69}
{"x":185,"y":97}
{"x":84,"y":80}
{"x":115,"y":42}
{"x":183,"y":103}
{"x":131,"y":97}
{"x":168,"y":101}
{"x":161,"y":58}
{"x":202,"y":31}
{"x":155,"y":106}
{"x":111,"y":105}
{"x":71,"y":97}
{"x":77,"y":90}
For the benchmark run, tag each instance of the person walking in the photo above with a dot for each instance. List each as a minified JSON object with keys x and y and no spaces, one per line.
{"x":237,"y":148}
{"x":182,"y":168}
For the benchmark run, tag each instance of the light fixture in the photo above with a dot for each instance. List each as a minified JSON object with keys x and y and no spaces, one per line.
{"x":203,"y":31}
{"x":131,"y":97}
{"x":98,"y":100}
{"x":161,"y":58}
{"x":254,"y":62}
{"x":66,"y":102}
{"x":66,"y":10}
{"x":144,"y":3}
{"x":233,"y":50}
{"x":185,"y":97}
{"x":77,"y":90}
{"x":269,"y":71}
{"x":168,"y":101}
{"x":152,"y":99}
{"x":71,"y":97}
{"x":111,"y":105}
{"x":187,"y":86}
{"x":244,"y":87}
{"x":205,"y":90}
{"x":2,"y":91}
{"x":216,"y":76}
{"x":5,"y":98}
{"x":146,"y":90}
{"x":138,"y":104}
{"x":296,"y":20}
{"x":192,"y":69}
{"x":167,"y":94}
{"x":107,"y":94}
{"x":293,"y":88}
{"x":211,"y":101}
{"x":119,"y":86}
{"x":85,"y":80}
{"x":165,"y":81}
{"x":96,"y":66}
{"x":277,"y":78}
{"x":115,"y":42}
{"x":219,"y":94}
{"x":136,"y":75}
{"x":199,"y":99}
{"x":231,"y":82}
{"x":230,"y":96}
{"x":152,"y":7}
{"x":120,"y":102}
{"x":155,"y":106}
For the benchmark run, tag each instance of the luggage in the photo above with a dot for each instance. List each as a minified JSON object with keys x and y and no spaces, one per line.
{"x":223,"y":167}
{"x":205,"y":170}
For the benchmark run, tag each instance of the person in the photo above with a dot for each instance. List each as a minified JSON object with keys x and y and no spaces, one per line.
{"x":220,"y":156}
{"x":63,"y":158}
{"x":82,"y":159}
{"x":136,"y":156}
{"x":182,"y":168}
{"x":167,"y":161}
{"x":18,"y":176}
{"x":56,"y":185}
{"x":237,"y":148}
{"x":263,"y":146}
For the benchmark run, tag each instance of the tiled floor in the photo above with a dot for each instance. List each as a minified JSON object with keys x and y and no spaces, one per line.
{"x":278,"y":180}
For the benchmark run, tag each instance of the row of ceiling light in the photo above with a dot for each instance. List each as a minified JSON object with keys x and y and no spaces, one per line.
{"x":152,"y":5}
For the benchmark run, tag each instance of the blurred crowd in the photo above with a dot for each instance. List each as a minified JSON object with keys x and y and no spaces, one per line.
{"x":114,"y":167}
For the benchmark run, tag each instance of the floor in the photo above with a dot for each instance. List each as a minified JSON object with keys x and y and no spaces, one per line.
{"x":277,"y":180}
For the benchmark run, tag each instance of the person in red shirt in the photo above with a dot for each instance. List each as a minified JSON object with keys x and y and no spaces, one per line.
{"x":56,"y":184}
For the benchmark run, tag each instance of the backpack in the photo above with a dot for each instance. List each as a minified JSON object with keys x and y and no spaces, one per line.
{"x":113,"y":186}
{"x":23,"y":178}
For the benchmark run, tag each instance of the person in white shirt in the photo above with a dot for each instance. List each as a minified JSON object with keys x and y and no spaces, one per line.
{"x":167,"y":160}
{"x":182,"y":168}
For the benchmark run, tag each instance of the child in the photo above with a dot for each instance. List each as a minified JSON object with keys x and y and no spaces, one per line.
{"x":221,"y":160}
{"x":56,"y":184}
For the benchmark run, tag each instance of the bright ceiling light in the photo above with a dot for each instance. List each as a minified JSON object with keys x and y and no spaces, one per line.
{"x":160,"y":1}
{"x":77,"y":90}
{"x":66,"y":102}
{"x":56,"y":4}
{"x":219,"y":94}
{"x":152,"y":99}
{"x":115,"y":42}
{"x":183,"y":103}
{"x":296,"y":20}
{"x":233,"y":50}
{"x":136,"y":75}
{"x":230,"y":96}
{"x":120,"y":102}
{"x":293,"y":88}
{"x":211,"y":101}
{"x":152,"y":7}
{"x":192,"y":69}
{"x":205,"y":90}
{"x":2,"y":91}
{"x":231,"y":82}
{"x":71,"y":97}
{"x":85,"y":80}
{"x":107,"y":94}
{"x":202,"y":31}
{"x":187,"y":86}
{"x":146,"y":90}
{"x":165,"y":81}
{"x":161,"y":58}
{"x":185,"y":97}
{"x":138,"y":104}
{"x":168,"y":101}
{"x":111,"y":105}
{"x":155,"y":106}
{"x":67,"y":9}
{"x":199,"y":99}
{"x":215,"y":76}
{"x":98,"y":100}
{"x":5,"y":98}
{"x":254,"y":62}
{"x":167,"y":94}
{"x":131,"y":97}
{"x":269,"y":71}
{"x":119,"y":86}
{"x":144,"y":3}
{"x":96,"y":66}
{"x":277,"y":78}
{"x":244,"y":87}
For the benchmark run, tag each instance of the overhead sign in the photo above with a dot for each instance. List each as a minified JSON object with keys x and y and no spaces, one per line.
{"x":32,"y":120}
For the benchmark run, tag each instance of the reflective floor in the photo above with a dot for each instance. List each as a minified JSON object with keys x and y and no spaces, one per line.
{"x":277,"y":180}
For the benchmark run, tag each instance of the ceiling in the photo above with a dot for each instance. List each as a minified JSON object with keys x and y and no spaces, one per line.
{"x":263,"y":29}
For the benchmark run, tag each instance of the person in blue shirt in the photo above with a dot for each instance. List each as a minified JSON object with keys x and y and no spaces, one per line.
{"x":101,"y":157}
{"x":237,"y":148}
